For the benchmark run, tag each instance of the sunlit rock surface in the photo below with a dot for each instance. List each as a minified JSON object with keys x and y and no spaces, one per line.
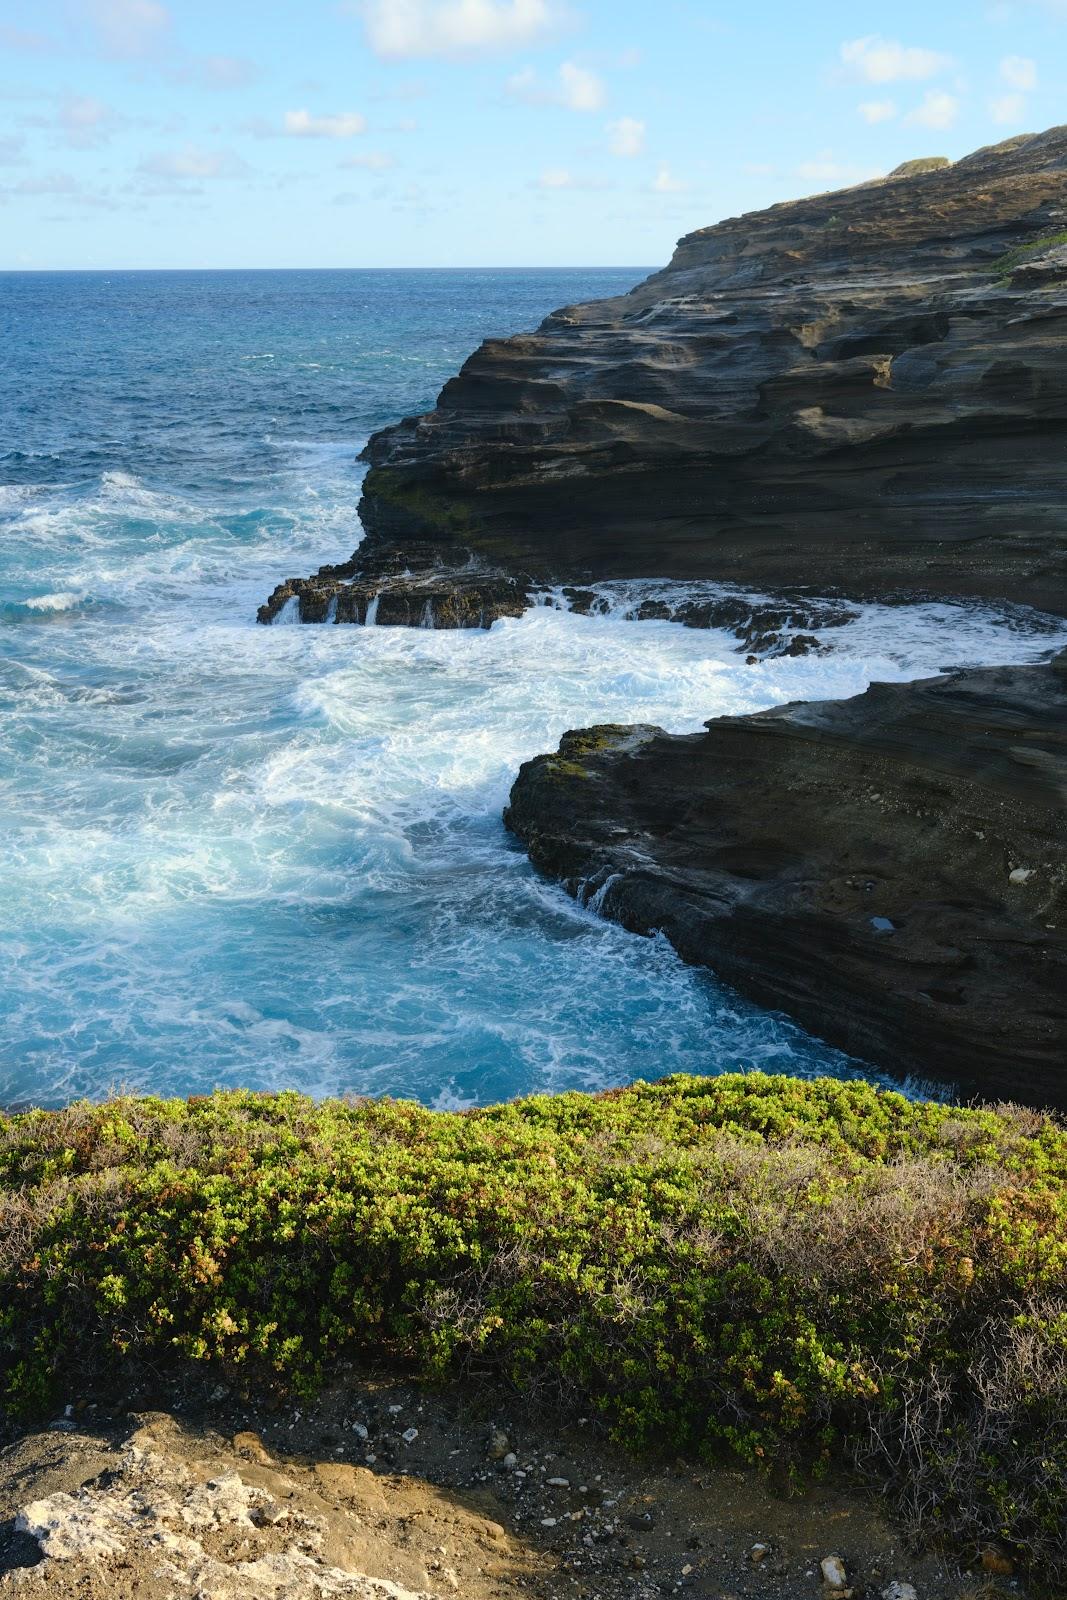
{"x":862,"y":392}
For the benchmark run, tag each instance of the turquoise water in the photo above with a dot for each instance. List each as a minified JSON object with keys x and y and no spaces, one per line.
{"x":274,"y":856}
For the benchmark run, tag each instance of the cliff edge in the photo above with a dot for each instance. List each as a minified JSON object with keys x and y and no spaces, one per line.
{"x":861,"y":391}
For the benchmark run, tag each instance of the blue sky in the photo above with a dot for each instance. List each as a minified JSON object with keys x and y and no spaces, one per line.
{"x":222,"y":133}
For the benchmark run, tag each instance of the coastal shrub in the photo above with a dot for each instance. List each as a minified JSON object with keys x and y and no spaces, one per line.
{"x":1005,"y":265}
{"x":789,"y":1271}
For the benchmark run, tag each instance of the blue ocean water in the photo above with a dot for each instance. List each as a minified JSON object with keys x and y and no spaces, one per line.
{"x":274,"y":856}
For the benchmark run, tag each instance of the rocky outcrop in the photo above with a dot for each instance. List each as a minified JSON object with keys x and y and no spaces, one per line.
{"x":168,"y":1511}
{"x":763,"y":627}
{"x":862,"y":392}
{"x":891,"y":870}
{"x":409,"y":586}
{"x":270,"y":1507}
{"x":412,"y":587}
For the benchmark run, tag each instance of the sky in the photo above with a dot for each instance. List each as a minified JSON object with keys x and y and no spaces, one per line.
{"x":392,"y":133}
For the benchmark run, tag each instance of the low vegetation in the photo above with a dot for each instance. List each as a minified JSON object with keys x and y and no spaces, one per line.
{"x":1005,"y":265}
{"x":785,"y":1270}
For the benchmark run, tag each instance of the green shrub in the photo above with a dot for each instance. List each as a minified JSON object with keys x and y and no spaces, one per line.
{"x":1005,"y":265}
{"x":789,"y":1270}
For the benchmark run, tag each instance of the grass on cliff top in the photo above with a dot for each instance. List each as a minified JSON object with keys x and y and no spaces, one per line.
{"x":783,"y":1270}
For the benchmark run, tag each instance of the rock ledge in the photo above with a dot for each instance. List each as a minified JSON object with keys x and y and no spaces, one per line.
{"x":891,"y":870}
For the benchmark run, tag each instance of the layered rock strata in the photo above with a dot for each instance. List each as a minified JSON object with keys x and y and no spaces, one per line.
{"x":863,"y":392}
{"x":890,"y":870}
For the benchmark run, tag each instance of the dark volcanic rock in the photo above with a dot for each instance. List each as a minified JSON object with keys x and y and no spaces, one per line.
{"x":761,"y":625}
{"x":408,"y":588}
{"x":891,"y":870}
{"x":863,"y":392}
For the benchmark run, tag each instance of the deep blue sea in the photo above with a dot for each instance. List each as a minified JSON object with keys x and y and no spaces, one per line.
{"x":273,"y":856}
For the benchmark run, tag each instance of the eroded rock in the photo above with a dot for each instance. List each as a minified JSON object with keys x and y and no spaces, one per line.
{"x":891,"y":870}
{"x":414,"y":588}
{"x":861,"y":391}
{"x":163,"y":1514}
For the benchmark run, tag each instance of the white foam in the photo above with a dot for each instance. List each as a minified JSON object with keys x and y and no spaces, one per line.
{"x":65,"y":600}
{"x":237,"y":856}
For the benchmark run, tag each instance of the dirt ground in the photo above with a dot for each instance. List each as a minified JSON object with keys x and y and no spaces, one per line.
{"x":383,"y":1491}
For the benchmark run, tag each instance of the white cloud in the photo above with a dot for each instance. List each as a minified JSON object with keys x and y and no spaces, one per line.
{"x":85,"y":121}
{"x":563,"y":178}
{"x":220,"y":72}
{"x":626,"y":137}
{"x":576,"y":88}
{"x":581,"y":90}
{"x":938,"y":110}
{"x":665,"y":182}
{"x":130,"y":29}
{"x":878,"y":110}
{"x":881,"y":60}
{"x":825,"y":169}
{"x":32,"y":43}
{"x":398,"y":28}
{"x":524,"y":85}
{"x":193,"y":163}
{"x":1008,"y":108}
{"x":52,"y":183}
{"x":372,"y":161}
{"x":1019,"y":72}
{"x":12,"y":152}
{"x":339,"y":125}
{"x":61,"y":186}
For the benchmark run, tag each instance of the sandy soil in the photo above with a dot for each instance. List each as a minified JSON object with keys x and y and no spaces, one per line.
{"x":382,"y":1491}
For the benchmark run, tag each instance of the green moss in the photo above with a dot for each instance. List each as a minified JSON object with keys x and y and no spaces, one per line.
{"x":589,"y":741}
{"x":1006,"y":264}
{"x":434,"y":511}
{"x":559,"y":768}
{"x":782,"y":1269}
{"x":577,"y":747}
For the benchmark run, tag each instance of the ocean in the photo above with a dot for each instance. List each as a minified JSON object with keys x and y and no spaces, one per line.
{"x":273,"y":857}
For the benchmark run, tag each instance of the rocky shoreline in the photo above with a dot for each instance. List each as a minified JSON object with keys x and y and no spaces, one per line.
{"x":890,"y":870}
{"x":413,"y":586}
{"x":860,"y":394}
{"x":863,"y":392}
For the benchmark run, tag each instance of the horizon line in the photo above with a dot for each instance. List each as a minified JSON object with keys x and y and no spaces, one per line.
{"x":601,"y":266}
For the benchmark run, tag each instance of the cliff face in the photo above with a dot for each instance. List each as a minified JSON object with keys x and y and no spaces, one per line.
{"x":891,"y":870}
{"x":863,"y":391}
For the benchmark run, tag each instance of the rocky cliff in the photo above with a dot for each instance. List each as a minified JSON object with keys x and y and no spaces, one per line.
{"x":891,"y":870}
{"x":862,"y":391}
